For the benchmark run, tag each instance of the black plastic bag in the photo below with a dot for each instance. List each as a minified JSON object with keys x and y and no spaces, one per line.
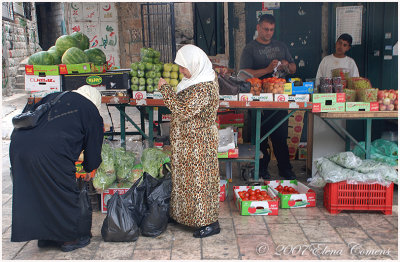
{"x":85,"y":221}
{"x":155,"y":219}
{"x":232,"y":86}
{"x":119,"y":225}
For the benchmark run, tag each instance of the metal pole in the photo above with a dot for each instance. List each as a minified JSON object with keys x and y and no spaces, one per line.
{"x":368,"y":139}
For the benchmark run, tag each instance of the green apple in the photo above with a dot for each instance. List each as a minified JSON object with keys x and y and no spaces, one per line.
{"x":133,"y":73}
{"x":181,"y":76}
{"x":156,"y":54}
{"x":134,"y":66}
{"x":167,"y":80}
{"x":140,"y":73}
{"x":158,"y":74}
{"x":134,"y":80}
{"x":150,"y":88}
{"x":141,"y":66}
{"x":175,"y":68}
{"x":174,"y":82}
{"x":157,"y":67}
{"x":142,"y":88}
{"x":134,"y":87}
{"x":156,"y":60}
{"x":149,"y":81}
{"x":174,"y":75}
{"x":149,"y":66}
{"x":155,"y":88}
{"x":166,"y":74}
{"x":167,"y":67}
{"x":142,"y":81}
{"x":150,"y":74}
{"x":156,"y":80}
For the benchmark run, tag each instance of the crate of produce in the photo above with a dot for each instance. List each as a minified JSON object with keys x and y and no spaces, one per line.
{"x":343,"y":196}
{"x":265,"y":204}
{"x":292,"y":194}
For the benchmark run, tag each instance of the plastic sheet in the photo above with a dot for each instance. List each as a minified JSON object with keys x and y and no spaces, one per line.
{"x":348,"y":167}
{"x":226,"y":139}
{"x":381,"y":150}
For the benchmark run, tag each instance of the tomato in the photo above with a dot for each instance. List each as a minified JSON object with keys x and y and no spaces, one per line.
{"x":253,"y":197}
{"x":264,"y":193}
{"x":246,"y":194}
{"x":252,"y":193}
{"x":257,"y":190}
{"x":245,"y":199}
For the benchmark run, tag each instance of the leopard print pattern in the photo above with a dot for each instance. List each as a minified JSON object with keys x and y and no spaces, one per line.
{"x":194,"y":145}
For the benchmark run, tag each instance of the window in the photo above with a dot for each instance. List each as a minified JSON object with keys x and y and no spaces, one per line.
{"x":7,"y":11}
{"x":23,"y":9}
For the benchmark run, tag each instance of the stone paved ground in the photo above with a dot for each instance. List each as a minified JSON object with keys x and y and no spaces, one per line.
{"x":295,"y":234}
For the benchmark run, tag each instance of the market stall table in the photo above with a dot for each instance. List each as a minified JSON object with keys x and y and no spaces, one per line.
{"x":122,"y":102}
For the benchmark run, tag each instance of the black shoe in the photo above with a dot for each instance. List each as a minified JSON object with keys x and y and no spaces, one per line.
{"x":264,"y":174}
{"x":81,"y":242}
{"x":48,"y":243}
{"x":288,"y":175}
{"x":207,"y":231}
{"x":172,"y":221}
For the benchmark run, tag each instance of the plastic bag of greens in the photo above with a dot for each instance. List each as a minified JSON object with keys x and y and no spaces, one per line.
{"x":107,"y":156}
{"x":153,"y":160}
{"x":346,"y":159}
{"x":103,"y":180}
{"x":381,"y":150}
{"x":124,"y":163}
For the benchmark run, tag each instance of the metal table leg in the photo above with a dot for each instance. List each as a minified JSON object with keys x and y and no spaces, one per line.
{"x":368,"y":139}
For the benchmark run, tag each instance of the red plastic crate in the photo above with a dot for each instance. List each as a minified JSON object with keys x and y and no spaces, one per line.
{"x":342,"y":196}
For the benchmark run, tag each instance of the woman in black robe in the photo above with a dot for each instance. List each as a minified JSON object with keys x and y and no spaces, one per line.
{"x":45,"y":191}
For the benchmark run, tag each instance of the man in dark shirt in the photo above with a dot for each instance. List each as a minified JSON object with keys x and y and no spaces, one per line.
{"x":259,"y":58}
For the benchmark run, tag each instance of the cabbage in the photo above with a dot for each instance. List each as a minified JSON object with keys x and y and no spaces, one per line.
{"x":153,"y":160}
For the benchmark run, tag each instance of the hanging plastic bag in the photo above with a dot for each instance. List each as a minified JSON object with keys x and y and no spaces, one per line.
{"x":85,"y":220}
{"x":119,"y":225}
{"x":381,"y":150}
{"x":155,"y":219}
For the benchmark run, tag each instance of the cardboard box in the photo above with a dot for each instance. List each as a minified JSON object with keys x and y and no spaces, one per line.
{"x":264,"y":97}
{"x":232,"y":153}
{"x":43,"y":83}
{"x":228,"y":97}
{"x":107,"y":194}
{"x":230,"y":119}
{"x":362,"y":106}
{"x":155,"y":95}
{"x":76,"y":68}
{"x":299,"y":98}
{"x":281,"y":97}
{"x":42,"y":70}
{"x":111,"y":80}
{"x":329,"y":102}
{"x":138,"y":95}
{"x":245,"y":97}
{"x":41,"y":94}
{"x":253,"y":207}
{"x":302,"y":151}
{"x":223,"y":190}
{"x":306,"y":88}
{"x":305,"y":198}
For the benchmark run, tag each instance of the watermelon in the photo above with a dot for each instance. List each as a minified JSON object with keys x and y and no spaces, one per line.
{"x":96,"y":56}
{"x":41,"y":58}
{"x":82,"y":39}
{"x":65,"y":42}
{"x":54,"y":48}
{"x":54,"y":53}
{"x":74,"y":55}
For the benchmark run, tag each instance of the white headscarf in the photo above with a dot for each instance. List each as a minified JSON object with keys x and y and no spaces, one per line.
{"x":196,"y":61}
{"x":90,"y":93}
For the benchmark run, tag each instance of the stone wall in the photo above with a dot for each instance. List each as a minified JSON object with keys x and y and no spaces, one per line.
{"x":130,"y":28}
{"x":184,"y":28}
{"x":53,"y":17}
{"x":20,"y":40}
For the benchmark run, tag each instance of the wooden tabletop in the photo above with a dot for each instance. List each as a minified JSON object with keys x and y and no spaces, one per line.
{"x":359,"y":114}
{"x":222,"y":104}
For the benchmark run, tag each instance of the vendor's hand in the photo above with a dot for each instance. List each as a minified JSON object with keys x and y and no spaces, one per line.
{"x":272,"y":65}
{"x":284,"y":62}
{"x":161,"y":82}
{"x":87,"y":177}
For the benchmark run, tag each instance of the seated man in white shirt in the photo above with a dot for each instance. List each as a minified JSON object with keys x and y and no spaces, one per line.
{"x":338,"y":60}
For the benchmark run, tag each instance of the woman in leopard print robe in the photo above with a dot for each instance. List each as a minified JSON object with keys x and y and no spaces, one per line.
{"x":194,"y":140}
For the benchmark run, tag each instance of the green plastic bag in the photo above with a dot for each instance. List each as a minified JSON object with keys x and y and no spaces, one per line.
{"x":381,"y":150}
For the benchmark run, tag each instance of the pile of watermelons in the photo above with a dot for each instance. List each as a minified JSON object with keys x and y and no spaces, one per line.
{"x":69,"y":49}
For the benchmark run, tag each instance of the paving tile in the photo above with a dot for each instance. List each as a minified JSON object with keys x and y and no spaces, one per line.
{"x":221,"y":246}
{"x":224,"y":209}
{"x":183,"y":249}
{"x":115,"y":250}
{"x":163,"y":241}
{"x":342,"y":221}
{"x":354,"y":235}
{"x":11,"y":249}
{"x":287,"y":234}
{"x":155,"y":254}
{"x":394,"y":220}
{"x":6,"y":222}
{"x":307,"y":213}
{"x":257,"y":247}
{"x":395,"y":210}
{"x":85,"y":253}
{"x":327,"y":214}
{"x":320,"y":231}
{"x":284,"y":216}
{"x":6,"y":199}
{"x":7,"y":233}
{"x":32,"y":252}
{"x":253,"y":225}
{"x":384,"y":234}
{"x":234,"y":209}
{"x":97,"y":222}
{"x":367,"y":220}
